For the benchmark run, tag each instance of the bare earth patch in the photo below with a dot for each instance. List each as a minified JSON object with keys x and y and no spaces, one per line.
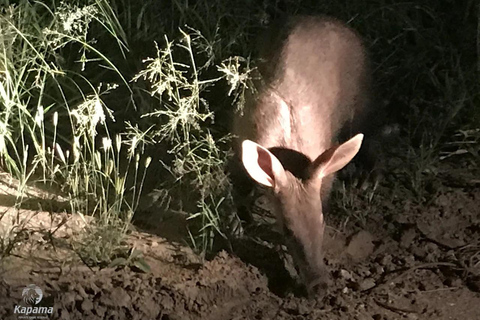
{"x":410,"y":260}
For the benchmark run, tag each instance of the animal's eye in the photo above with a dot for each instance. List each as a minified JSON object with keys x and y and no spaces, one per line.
{"x":287,"y":232}
{"x":295,"y":247}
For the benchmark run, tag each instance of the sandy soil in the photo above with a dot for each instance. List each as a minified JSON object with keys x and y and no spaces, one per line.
{"x":397,"y":255}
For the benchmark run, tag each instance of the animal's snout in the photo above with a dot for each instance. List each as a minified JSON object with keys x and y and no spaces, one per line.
{"x":318,"y":288}
{"x":312,"y":272}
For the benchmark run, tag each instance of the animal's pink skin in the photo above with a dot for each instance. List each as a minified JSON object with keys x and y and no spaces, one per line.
{"x":315,"y":87}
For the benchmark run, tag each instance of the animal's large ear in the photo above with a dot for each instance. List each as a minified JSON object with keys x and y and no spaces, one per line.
{"x":261,"y":164}
{"x":336,"y":157}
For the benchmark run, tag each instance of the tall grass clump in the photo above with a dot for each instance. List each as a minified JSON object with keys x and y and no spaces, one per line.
{"x":53,"y":121}
{"x":198,"y":156}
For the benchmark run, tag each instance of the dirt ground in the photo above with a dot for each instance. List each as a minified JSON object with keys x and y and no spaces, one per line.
{"x":392,"y":254}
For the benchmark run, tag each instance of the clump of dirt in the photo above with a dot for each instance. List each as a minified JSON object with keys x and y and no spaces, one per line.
{"x":172,"y":290}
